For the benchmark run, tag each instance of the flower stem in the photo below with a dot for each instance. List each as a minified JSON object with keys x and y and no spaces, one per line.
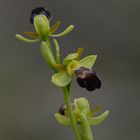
{"x":67,"y":98}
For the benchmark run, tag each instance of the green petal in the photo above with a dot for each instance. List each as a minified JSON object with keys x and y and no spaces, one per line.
{"x":54,"y":27}
{"x":88,"y":61}
{"x":98,"y":120}
{"x":26,"y":40}
{"x":65,"y":32}
{"x":61,"y":79}
{"x":62,"y":119}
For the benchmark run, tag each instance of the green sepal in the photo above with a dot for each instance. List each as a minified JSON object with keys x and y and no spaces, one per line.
{"x":41,"y":24}
{"x":65,"y":32}
{"x":70,"y":57}
{"x":54,"y":27}
{"x":88,"y":61}
{"x":65,"y":121}
{"x":61,"y":79}
{"x":98,"y":120}
{"x":47,"y":54}
{"x":21,"y":38}
{"x":81,"y":105}
{"x":57,"y":49}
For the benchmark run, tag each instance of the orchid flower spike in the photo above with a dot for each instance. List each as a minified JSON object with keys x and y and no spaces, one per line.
{"x":40,"y":17}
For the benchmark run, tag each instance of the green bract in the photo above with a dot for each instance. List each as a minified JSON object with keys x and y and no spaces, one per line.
{"x":47,"y":54}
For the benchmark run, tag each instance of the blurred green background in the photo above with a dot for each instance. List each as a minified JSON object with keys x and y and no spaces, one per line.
{"x":28,"y":100}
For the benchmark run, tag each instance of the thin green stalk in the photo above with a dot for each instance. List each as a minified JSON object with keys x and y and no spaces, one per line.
{"x":67,"y":97}
{"x":57,"y":48}
{"x":85,"y":127}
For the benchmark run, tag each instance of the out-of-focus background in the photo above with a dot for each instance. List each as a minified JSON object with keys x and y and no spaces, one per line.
{"x":28,"y":100}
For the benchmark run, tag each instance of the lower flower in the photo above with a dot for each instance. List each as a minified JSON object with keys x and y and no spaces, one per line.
{"x":81,"y":106}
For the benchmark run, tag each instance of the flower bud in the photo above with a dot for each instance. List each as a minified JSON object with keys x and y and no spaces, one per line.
{"x":42,"y":26}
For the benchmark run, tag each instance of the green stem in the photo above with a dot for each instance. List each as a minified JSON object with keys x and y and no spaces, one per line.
{"x":86,"y":130}
{"x":67,"y":97}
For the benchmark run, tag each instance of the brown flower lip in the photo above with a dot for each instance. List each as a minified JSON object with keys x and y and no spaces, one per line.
{"x":62,"y":109}
{"x":39,"y":11}
{"x":87,"y":78}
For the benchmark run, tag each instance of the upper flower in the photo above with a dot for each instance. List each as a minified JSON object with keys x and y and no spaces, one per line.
{"x":40,"y":18}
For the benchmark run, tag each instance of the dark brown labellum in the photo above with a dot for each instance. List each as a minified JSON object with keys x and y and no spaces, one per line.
{"x":39,"y":11}
{"x":62,"y":109}
{"x":87,"y":78}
